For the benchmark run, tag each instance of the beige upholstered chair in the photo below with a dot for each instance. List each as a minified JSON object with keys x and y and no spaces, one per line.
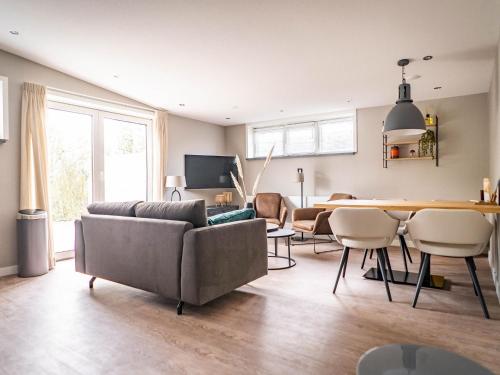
{"x":271,"y":206}
{"x":314,"y":221}
{"x":363,"y":228}
{"x":450,"y":233}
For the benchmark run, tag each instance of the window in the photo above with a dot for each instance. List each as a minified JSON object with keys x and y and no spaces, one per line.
{"x":324,"y":134}
{"x":94,"y":155}
{"x":4,"y":114}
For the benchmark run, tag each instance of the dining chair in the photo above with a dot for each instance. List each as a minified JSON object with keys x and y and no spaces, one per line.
{"x":450,"y":233}
{"x":363,"y":228}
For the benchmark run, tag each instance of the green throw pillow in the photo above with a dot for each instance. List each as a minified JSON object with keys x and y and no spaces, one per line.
{"x":228,"y":217}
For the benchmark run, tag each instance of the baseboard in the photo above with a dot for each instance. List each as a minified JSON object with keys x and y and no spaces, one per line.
{"x":7,"y":271}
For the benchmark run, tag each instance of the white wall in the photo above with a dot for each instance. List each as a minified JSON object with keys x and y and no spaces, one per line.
{"x":463,"y":159}
{"x":186,"y":136}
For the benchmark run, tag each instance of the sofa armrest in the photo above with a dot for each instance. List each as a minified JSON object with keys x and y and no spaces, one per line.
{"x":321,"y":225}
{"x":79,"y":247}
{"x":283,"y":213}
{"x":306,"y":213}
{"x":221,"y":258}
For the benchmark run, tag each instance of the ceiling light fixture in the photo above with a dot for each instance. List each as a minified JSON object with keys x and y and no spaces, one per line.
{"x":437,"y":88}
{"x":228,"y":118}
{"x":427,"y":58}
{"x":282,"y":110}
{"x":348,"y":100}
{"x":116,"y":76}
{"x":182,"y":105}
{"x":14,"y":32}
{"x":404,"y":118}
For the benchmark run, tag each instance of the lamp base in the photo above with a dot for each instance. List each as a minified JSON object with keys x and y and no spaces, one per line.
{"x":172,"y":195}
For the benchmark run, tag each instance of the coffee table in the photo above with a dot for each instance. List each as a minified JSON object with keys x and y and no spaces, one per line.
{"x":276,"y":234}
{"x":416,"y":359}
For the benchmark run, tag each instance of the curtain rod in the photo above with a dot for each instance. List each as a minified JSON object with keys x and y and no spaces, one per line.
{"x":151,"y":109}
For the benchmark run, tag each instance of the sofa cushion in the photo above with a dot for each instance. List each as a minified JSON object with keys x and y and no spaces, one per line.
{"x":268,"y":205}
{"x":113,"y":208}
{"x":228,"y":217}
{"x":192,"y":211}
{"x":273,"y":221}
{"x":306,"y":225}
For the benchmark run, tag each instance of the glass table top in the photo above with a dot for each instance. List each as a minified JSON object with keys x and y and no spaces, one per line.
{"x":408,"y":359}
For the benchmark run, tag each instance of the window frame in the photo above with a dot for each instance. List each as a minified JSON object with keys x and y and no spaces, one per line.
{"x":97,"y":138}
{"x":295,"y":122}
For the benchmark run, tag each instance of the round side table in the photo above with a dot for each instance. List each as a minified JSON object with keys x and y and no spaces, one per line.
{"x":416,"y":360}
{"x":276,"y":234}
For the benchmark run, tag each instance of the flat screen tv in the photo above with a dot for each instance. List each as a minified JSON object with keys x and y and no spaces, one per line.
{"x":209,"y":172}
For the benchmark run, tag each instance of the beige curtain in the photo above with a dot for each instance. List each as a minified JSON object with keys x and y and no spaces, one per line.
{"x":34,"y":160}
{"x":160,"y":153}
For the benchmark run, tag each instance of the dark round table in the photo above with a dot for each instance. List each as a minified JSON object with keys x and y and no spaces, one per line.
{"x":276,"y":234}
{"x":416,"y":360}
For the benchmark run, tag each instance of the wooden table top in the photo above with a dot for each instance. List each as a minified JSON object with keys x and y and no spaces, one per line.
{"x":401,"y":205}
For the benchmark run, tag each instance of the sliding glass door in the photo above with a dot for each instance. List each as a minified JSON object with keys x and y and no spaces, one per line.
{"x":93,"y":156}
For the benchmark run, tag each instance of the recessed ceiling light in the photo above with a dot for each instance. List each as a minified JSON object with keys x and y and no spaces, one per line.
{"x":437,"y":88}
{"x":427,"y":58}
{"x":282,"y":110}
{"x":182,"y":105}
{"x":116,"y":76}
{"x":348,"y":100}
{"x":413,"y":77}
{"x":14,"y":32}
{"x":228,"y":118}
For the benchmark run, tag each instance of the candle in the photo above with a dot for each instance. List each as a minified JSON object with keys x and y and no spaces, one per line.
{"x":487,"y":185}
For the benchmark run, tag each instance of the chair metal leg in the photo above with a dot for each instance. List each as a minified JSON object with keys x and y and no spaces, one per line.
{"x":364,"y":259}
{"x":325,"y":241}
{"x":180,"y":305}
{"x":345,"y":264}
{"x":371,"y":253}
{"x":380,"y":261}
{"x":421,"y":276}
{"x":407,"y":250}
{"x":403,"y":252}
{"x":91,"y":282}
{"x":388,"y":262}
{"x":342,"y":262}
{"x":472,"y":270}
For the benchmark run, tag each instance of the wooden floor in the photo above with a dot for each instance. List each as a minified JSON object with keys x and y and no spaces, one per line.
{"x":286,"y":323}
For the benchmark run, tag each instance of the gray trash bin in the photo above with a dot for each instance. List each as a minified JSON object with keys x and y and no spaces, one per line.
{"x":32,"y":251}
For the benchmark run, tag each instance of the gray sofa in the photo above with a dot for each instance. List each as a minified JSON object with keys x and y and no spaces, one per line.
{"x":167,"y":248}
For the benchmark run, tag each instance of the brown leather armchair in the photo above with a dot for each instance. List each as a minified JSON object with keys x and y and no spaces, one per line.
{"x":315,"y":220}
{"x":271,"y":206}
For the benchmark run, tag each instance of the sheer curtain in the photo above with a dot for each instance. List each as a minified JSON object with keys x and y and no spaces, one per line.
{"x":160,"y":153}
{"x":34,"y":160}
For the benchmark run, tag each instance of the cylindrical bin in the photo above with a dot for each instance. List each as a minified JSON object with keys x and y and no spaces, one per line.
{"x":32,"y":240}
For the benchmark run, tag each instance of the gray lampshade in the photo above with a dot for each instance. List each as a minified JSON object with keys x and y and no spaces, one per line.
{"x":403,"y":120}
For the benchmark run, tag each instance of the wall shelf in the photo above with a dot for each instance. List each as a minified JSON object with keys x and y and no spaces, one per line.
{"x":386,"y":144}
{"x":410,"y":158}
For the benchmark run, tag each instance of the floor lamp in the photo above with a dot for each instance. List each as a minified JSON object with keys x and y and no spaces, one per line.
{"x":300,"y":180}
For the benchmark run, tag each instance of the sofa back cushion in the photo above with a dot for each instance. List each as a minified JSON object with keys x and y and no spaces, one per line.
{"x":267,"y":205}
{"x":229,"y":217}
{"x":113,"y":208}
{"x":192,"y":211}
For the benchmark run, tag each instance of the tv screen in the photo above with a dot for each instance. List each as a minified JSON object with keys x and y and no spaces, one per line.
{"x":209,"y":172}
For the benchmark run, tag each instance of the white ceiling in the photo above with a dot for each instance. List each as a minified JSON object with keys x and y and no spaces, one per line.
{"x":249,"y":59}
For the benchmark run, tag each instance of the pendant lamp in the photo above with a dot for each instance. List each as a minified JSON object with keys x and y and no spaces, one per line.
{"x":405,"y":119}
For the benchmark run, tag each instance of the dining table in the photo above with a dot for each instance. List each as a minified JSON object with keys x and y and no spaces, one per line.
{"x":403,"y":277}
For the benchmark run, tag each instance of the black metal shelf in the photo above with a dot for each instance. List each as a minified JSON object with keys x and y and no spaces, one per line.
{"x":386,"y":145}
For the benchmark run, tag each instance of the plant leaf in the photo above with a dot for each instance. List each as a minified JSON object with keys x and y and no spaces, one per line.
{"x":238,"y":187}
{"x":266,"y":163}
